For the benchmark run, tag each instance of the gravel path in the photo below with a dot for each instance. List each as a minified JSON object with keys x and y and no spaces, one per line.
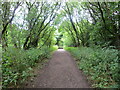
{"x":61,"y":72}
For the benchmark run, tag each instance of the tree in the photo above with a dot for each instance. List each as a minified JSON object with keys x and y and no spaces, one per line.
{"x":45,"y":16}
{"x":106,"y":14}
{"x":7,"y":18}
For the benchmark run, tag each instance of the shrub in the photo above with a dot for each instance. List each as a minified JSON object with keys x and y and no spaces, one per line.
{"x":101,"y":64}
{"x":17,"y":63}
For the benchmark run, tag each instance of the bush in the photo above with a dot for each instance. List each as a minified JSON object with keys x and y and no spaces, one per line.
{"x":100,"y":64}
{"x":17,"y":63}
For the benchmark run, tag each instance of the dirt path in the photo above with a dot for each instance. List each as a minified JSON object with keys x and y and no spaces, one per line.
{"x":61,"y":72}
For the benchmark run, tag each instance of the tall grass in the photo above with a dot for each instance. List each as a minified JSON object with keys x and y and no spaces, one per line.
{"x":100,"y":64}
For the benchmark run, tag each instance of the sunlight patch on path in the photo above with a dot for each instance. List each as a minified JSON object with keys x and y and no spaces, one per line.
{"x":61,"y":50}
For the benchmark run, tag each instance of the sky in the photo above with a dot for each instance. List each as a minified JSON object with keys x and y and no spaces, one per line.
{"x":20,"y":12}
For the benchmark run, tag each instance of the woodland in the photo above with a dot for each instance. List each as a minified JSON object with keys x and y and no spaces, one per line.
{"x":32,"y":31}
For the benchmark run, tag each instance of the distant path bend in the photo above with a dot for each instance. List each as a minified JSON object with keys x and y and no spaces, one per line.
{"x":61,"y":72}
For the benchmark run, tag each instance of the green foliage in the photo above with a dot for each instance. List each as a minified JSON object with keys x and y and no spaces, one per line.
{"x":100,"y":64}
{"x":0,"y":65}
{"x":17,"y":63}
{"x":16,"y":36}
{"x":0,"y":51}
{"x":68,"y":40}
{"x":54,"y":48}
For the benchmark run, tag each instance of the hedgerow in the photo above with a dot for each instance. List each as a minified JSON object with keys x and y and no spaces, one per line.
{"x":99,"y":64}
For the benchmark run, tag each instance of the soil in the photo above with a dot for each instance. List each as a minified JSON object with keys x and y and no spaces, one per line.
{"x":61,"y":72}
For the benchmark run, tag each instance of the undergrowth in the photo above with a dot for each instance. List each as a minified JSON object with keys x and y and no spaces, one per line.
{"x":0,"y":66}
{"x":17,"y":63}
{"x":99,"y":64}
